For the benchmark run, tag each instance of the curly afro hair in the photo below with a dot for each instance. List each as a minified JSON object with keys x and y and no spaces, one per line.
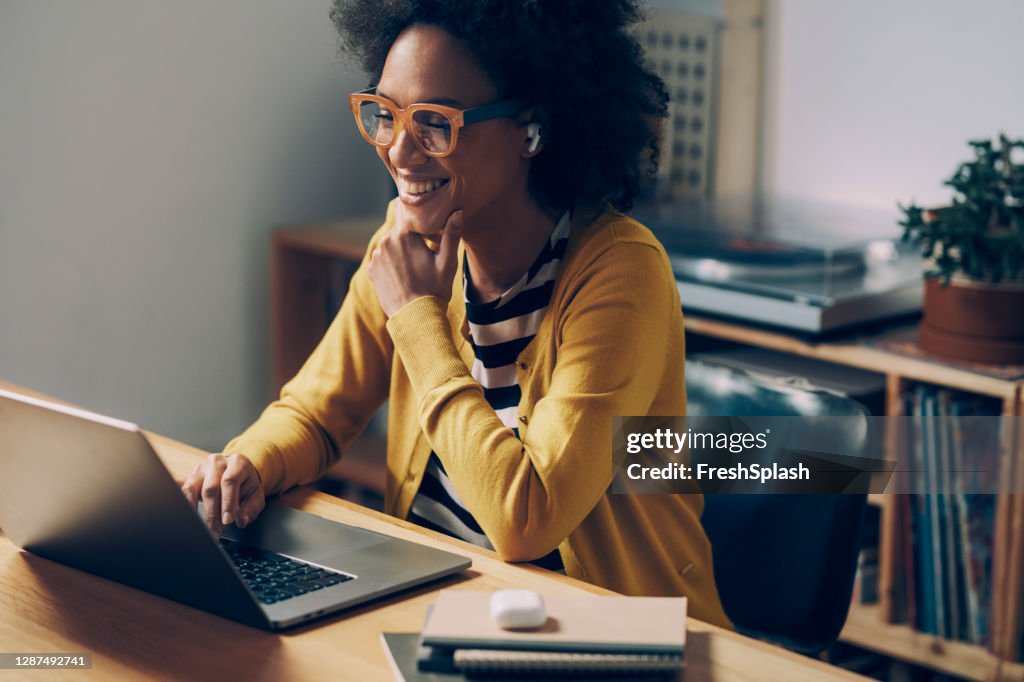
{"x":573,"y":58}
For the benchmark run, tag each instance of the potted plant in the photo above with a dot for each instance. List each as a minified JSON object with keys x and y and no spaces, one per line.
{"x":974,"y":288}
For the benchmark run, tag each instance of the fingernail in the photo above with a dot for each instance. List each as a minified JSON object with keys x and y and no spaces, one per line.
{"x":226,"y":518}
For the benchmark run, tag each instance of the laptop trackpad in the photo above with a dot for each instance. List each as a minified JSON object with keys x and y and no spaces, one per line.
{"x":305,"y":536}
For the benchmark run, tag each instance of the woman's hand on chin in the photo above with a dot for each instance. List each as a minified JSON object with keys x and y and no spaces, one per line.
{"x":402,"y":267}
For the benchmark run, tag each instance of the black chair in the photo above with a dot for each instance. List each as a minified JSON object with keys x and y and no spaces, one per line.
{"x":784,"y":563}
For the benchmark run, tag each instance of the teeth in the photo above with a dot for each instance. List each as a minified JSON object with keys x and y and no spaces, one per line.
{"x":420,"y":187}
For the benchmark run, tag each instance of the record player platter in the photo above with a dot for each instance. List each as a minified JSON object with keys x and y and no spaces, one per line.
{"x":738,"y":259}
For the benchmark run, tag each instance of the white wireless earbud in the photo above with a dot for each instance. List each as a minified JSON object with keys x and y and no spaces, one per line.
{"x":533,"y":135}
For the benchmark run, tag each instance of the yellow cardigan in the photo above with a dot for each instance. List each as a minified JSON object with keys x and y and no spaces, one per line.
{"x":611,"y":343}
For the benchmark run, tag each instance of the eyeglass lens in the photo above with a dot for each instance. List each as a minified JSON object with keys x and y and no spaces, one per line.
{"x":432,"y":129}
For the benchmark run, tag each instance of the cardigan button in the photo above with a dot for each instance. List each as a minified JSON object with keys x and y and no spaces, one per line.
{"x":520,"y":364}
{"x":522,"y":418}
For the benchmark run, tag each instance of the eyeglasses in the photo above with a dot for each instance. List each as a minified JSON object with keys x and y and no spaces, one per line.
{"x":434,"y":127}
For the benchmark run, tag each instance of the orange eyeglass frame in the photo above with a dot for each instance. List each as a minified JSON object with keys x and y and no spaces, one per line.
{"x":457,"y":117}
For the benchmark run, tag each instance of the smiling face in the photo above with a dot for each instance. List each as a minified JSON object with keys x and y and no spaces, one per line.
{"x":486,"y":171}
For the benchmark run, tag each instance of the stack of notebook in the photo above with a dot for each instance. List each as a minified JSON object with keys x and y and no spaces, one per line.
{"x":591,"y":637}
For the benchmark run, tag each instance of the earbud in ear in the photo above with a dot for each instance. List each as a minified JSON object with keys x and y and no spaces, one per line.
{"x":533,"y":136}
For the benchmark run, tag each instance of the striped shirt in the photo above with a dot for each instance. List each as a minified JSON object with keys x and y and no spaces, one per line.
{"x":499,"y":331}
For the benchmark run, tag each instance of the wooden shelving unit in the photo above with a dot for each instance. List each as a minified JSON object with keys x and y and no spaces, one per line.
{"x":302,"y":262}
{"x":311,"y":263}
{"x":872,"y":627}
{"x":856,"y":354}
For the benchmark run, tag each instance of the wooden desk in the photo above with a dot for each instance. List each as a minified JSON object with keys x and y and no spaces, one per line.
{"x":51,"y":608}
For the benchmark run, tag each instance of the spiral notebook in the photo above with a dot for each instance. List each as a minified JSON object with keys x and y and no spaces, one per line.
{"x":469,"y":664}
{"x":488,"y":663}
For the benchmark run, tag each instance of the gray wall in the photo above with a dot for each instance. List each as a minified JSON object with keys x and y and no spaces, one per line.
{"x":146,"y":150}
{"x":872,"y":101}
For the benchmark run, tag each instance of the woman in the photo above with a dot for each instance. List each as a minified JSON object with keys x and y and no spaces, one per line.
{"x":506,"y":307}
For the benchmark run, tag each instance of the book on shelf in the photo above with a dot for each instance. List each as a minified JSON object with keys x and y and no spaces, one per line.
{"x":982,"y":462}
{"x":949,"y":474}
{"x":934,"y":516}
{"x":968,"y":572}
{"x":948,"y":523}
{"x":922,"y":576}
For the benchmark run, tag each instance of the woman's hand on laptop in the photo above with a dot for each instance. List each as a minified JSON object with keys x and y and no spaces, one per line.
{"x":230,"y":489}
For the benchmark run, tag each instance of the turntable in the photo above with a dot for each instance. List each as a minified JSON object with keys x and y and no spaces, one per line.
{"x":795,"y":263}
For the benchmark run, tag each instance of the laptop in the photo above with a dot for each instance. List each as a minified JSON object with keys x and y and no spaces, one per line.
{"x":90,"y":492}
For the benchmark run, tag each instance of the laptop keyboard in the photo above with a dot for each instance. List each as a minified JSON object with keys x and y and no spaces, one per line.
{"x":274,"y":578}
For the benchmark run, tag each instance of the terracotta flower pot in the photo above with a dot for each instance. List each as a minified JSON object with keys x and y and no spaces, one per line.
{"x":974,"y":320}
